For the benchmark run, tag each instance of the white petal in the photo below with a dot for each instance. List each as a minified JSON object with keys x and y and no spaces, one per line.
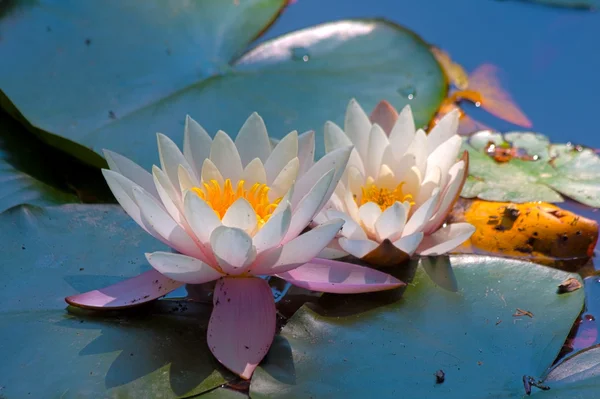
{"x":403,"y":132}
{"x":409,"y":243}
{"x":155,"y":215}
{"x":368,"y":214}
{"x":457,"y":175}
{"x":444,"y":156}
{"x":170,"y":197}
{"x":357,"y":127}
{"x":253,"y":173}
{"x":443,"y":130}
{"x":412,"y":182}
{"x":284,"y":181}
{"x":122,"y":189}
{"x":386,"y":178}
{"x":200,"y":216}
{"x":446,"y":239}
{"x":357,"y":248}
{"x":350,"y":229}
{"x":131,"y":171}
{"x":336,"y":159}
{"x":211,"y":172}
{"x":378,"y":142}
{"x":402,"y":166}
{"x":334,"y":137}
{"x":186,"y":182}
{"x":309,"y":206}
{"x":355,"y":181}
{"x":283,"y":153}
{"x":351,"y":206}
{"x":196,"y":145}
{"x":391,"y":222}
{"x":306,"y":151}
{"x":233,"y":249}
{"x":252,"y":140}
{"x":241,"y":215}
{"x":170,"y":158}
{"x":418,"y":148}
{"x":298,"y":251}
{"x":225,"y":156}
{"x":422,"y":215}
{"x":432,"y":181}
{"x":182,"y":268}
{"x":272,"y":233}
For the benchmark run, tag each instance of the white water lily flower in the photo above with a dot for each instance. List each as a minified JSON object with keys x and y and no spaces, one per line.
{"x":235,"y":211}
{"x":398,"y":188}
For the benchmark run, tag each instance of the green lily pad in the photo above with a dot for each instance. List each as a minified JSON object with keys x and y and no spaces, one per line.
{"x":542,"y":172}
{"x":388,"y":351}
{"x":583,"y":4}
{"x":24,"y":174}
{"x":158,"y":351}
{"x":114,"y":85}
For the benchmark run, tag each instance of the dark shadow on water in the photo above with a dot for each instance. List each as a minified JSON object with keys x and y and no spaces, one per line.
{"x":148,"y":338}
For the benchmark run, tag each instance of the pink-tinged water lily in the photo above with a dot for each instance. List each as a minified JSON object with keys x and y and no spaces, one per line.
{"x":233,"y":210}
{"x":399,"y":185}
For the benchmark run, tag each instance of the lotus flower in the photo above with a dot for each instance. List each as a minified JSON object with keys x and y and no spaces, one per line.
{"x":233,"y":211}
{"x":399,"y":185}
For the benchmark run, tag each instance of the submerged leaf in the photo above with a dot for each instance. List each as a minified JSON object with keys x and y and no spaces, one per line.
{"x":525,"y":167}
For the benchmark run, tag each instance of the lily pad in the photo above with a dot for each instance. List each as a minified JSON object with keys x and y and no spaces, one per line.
{"x":24,"y":175}
{"x":582,"y":4}
{"x":113,"y":85}
{"x":538,"y":171}
{"x":158,"y":351}
{"x":475,"y":336}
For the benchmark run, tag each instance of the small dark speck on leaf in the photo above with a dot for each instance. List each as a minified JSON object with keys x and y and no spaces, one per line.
{"x":131,"y":354}
{"x":81,"y":269}
{"x":498,"y":322}
{"x":48,"y":29}
{"x":168,"y":51}
{"x":22,"y":246}
{"x":146,"y":296}
{"x":440,"y":376}
{"x":88,"y":42}
{"x":112,"y":115}
{"x":80,"y":321}
{"x":569,"y":285}
{"x":521,"y":312}
{"x":246,"y":346}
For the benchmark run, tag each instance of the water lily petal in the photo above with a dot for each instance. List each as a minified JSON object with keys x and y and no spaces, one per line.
{"x":443,"y":130}
{"x":201,"y":217}
{"x":196,"y":145}
{"x":368,"y":214}
{"x":210,"y":171}
{"x":309,"y":206}
{"x":422,"y":215}
{"x":285,"y":179}
{"x":283,"y":153}
{"x":336,"y":159}
{"x":252,"y":140}
{"x":182,"y":268}
{"x":157,"y":217}
{"x":339,"y":277}
{"x":170,"y":158}
{"x":306,"y":151}
{"x":225,"y":156}
{"x":357,"y":127}
{"x":432,"y":180}
{"x":386,"y":255}
{"x":135,"y":291}
{"x":358,"y":247}
{"x":403,"y":132}
{"x":170,"y":197}
{"x":336,"y":138}
{"x":242,"y":324}
{"x":409,"y":243}
{"x":241,"y":215}
{"x":129,"y":169}
{"x":444,"y":156}
{"x":253,"y":173}
{"x":445,"y":239}
{"x":298,"y":251}
{"x":233,"y":249}
{"x":378,"y":142}
{"x":391,"y":222}
{"x":122,"y":189}
{"x":350,"y":229}
{"x":384,"y":115}
{"x":186,"y":181}
{"x":272,"y":233}
{"x":418,"y":148}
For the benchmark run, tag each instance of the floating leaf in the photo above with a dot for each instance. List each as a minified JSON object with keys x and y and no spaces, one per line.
{"x":158,"y":351}
{"x":475,"y":336}
{"x":24,"y":173}
{"x":113,"y":85}
{"x":583,"y":4}
{"x":525,"y":167}
{"x":539,"y":232}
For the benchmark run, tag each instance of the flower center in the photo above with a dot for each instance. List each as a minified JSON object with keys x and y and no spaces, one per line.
{"x":384,"y":197}
{"x":220,"y":199}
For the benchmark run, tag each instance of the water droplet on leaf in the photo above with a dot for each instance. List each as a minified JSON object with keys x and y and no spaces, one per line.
{"x":408,"y":91}
{"x":300,"y":54}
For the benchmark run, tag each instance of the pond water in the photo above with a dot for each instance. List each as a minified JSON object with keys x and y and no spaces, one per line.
{"x":549,"y":56}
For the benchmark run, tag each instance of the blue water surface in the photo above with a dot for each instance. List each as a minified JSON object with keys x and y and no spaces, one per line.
{"x":549,"y":57}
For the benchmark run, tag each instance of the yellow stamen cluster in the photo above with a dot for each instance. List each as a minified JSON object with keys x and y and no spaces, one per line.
{"x":383,"y":197}
{"x":220,"y":199}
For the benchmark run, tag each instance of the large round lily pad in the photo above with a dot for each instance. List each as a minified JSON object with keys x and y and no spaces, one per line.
{"x":477,"y":336}
{"x":538,"y":171}
{"x":111,"y":74}
{"x":158,"y":351}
